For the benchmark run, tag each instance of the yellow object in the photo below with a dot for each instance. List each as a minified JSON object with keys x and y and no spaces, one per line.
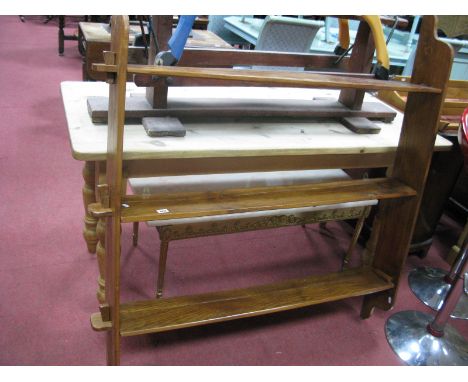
{"x":375,"y":26}
{"x":343,"y":33}
{"x":379,"y":40}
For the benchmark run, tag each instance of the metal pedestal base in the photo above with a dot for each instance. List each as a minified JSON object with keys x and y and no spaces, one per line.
{"x":429,"y":286}
{"x":409,"y":338}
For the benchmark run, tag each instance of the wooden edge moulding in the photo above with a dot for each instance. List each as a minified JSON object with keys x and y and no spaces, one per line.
{"x":399,"y":194}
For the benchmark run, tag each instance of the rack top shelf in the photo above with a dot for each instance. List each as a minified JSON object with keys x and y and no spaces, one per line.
{"x":273,"y":77}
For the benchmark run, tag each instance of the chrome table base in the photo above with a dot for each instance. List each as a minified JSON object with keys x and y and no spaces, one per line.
{"x":429,"y":286}
{"x":408,"y":335}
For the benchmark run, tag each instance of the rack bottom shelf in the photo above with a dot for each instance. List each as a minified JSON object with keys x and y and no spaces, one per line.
{"x":160,"y":315}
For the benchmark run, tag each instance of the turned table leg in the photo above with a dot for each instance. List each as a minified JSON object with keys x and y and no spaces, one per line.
{"x":101,"y":237}
{"x":89,"y":196}
{"x":101,"y":256}
{"x":100,"y":177}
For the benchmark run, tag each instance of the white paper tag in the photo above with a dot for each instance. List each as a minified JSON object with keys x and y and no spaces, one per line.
{"x":162,"y":211}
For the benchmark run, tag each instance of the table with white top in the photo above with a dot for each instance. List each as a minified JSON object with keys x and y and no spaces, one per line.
{"x":223,"y":145}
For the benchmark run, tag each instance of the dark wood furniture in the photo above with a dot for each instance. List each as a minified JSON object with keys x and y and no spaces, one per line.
{"x":378,"y":283}
{"x":95,"y":39}
{"x":62,"y":37}
{"x":399,"y":193}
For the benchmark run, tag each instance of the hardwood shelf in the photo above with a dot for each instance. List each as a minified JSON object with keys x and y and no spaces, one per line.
{"x":195,"y":204}
{"x":165,"y":314}
{"x":398,"y":204}
{"x":273,"y":78}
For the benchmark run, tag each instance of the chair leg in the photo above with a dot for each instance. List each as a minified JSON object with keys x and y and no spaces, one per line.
{"x":135,"y":233}
{"x":61,"y":35}
{"x":354,"y":239}
{"x":162,"y":268}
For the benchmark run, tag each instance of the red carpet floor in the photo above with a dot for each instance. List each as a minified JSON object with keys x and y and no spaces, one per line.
{"x":48,"y":279}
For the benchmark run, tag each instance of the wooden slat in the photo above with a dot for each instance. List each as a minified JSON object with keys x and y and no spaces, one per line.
{"x":194,"y":204}
{"x":228,"y":58}
{"x":141,"y":168}
{"x":162,"y":27}
{"x":293,"y":79}
{"x":144,"y":80}
{"x":180,"y":312}
{"x":360,"y":62}
{"x":138,"y":107}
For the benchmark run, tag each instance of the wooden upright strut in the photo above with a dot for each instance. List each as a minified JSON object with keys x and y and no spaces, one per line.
{"x":399,"y":196}
{"x":118,"y":56}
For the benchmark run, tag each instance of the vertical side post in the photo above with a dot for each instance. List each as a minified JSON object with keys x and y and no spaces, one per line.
{"x":157,"y":95}
{"x":360,"y":62}
{"x":420,"y":125}
{"x":117,"y":87}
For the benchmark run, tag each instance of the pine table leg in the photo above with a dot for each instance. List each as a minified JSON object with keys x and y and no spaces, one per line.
{"x":101,"y":256}
{"x":89,"y":196}
{"x":101,"y":244}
